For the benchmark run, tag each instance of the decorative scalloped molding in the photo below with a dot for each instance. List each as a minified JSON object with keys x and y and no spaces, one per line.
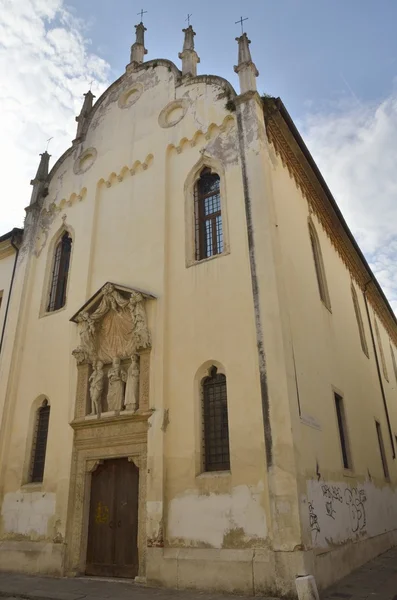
{"x":136,"y":168}
{"x":212,"y":131}
{"x":54,"y":207}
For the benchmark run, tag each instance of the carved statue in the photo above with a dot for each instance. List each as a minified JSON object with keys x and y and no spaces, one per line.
{"x":132,"y":387}
{"x":87,"y":332}
{"x":139,"y":322}
{"x":117,"y":378}
{"x":96,"y":388}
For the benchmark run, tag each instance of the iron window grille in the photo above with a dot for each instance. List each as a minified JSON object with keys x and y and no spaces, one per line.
{"x":60,"y":273}
{"x":40,"y":443}
{"x":215,"y":422}
{"x":208,"y":216}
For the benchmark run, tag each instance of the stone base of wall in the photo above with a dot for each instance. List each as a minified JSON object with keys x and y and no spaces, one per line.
{"x":35,"y":558}
{"x":331,"y":566}
{"x":249,"y":571}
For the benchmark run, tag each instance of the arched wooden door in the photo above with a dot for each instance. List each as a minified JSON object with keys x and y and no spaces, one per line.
{"x":113,"y":524}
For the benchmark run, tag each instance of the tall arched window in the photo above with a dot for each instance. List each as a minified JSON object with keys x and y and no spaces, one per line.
{"x":319,"y":266}
{"x":60,"y":273}
{"x":393,"y":358}
{"x":208,"y":216}
{"x":40,"y":443}
{"x":216,"y":424}
{"x":382,"y":354}
{"x":359,"y":321}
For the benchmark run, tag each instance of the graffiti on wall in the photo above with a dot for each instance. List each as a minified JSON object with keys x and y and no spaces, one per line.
{"x":336,"y":512}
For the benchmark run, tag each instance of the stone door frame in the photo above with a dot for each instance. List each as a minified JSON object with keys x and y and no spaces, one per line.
{"x":104,"y":443}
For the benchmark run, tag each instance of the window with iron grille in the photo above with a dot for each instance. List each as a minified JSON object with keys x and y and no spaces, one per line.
{"x":60,"y":273}
{"x":208,"y":216}
{"x":40,"y":443}
{"x":215,"y":422}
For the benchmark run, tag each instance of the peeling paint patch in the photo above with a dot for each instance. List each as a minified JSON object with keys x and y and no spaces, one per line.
{"x":27,"y":514}
{"x":211,"y":520}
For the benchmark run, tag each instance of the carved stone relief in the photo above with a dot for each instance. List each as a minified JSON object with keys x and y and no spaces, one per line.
{"x":113,"y":333}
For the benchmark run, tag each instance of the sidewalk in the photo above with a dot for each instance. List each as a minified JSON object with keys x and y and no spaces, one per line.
{"x":16,"y":586}
{"x":377,"y":580}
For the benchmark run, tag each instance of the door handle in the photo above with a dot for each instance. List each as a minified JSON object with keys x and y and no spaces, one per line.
{"x":119,"y":524}
{"x":111,"y":524}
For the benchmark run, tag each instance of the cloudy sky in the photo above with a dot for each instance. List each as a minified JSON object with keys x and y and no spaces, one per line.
{"x":333,"y":63}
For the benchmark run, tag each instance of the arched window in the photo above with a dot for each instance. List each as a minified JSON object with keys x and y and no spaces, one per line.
{"x":359,"y":321}
{"x":40,"y":443}
{"x":208,"y":217}
{"x":319,"y":266}
{"x":60,"y":273}
{"x":216,"y":425}
{"x":393,"y":358}
{"x":382,"y":355}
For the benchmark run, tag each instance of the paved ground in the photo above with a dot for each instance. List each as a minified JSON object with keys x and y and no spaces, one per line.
{"x":377,"y":580}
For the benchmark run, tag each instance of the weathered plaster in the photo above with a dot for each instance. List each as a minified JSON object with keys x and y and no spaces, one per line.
{"x":340,"y":512}
{"x":218,"y":520}
{"x":27,"y":514}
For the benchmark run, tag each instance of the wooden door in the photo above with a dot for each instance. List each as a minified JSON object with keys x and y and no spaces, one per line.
{"x":113,"y":525}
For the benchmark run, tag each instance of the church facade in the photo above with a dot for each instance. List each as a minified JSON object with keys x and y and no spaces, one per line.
{"x":198,"y":382}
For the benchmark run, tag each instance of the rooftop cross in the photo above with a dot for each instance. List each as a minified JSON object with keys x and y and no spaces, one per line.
{"x":142,"y":12}
{"x":48,"y":143}
{"x":188,"y":19}
{"x":241,"y":20}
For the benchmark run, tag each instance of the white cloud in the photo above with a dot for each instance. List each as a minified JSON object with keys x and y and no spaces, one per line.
{"x":355,"y":147}
{"x":46,"y":67}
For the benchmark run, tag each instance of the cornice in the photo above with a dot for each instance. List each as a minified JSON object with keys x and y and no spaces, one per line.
{"x":292,"y":157}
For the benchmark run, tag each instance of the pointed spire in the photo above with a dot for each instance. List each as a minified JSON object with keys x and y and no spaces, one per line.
{"x":84,"y":113}
{"x":189,"y":56}
{"x":138,"y":49}
{"x":246,"y":69}
{"x":39,"y":181}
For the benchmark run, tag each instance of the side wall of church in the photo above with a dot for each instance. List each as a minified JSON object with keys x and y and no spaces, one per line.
{"x":347,"y":515}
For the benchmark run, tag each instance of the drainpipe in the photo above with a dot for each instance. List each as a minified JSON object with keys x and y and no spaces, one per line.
{"x":382,"y":389}
{"x":11,"y":285}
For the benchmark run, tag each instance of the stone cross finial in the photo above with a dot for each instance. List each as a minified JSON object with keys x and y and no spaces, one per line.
{"x":39,"y":181}
{"x":84,"y":113}
{"x":138,"y":49}
{"x":246,"y":69}
{"x":189,"y":56}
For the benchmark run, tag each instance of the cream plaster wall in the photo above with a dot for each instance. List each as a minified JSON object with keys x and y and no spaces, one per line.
{"x":337,"y":505}
{"x":126,"y":215}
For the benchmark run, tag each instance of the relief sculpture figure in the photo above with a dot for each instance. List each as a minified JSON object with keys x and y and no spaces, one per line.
{"x":117,"y":378}
{"x":96,"y":388}
{"x":132,"y":387}
{"x":139,"y":322}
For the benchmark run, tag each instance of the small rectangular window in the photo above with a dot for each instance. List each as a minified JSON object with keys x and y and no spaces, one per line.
{"x":340,"y":413}
{"x":382,"y":450}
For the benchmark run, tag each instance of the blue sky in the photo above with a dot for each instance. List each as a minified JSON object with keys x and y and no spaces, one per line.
{"x":333,"y":63}
{"x":307,"y":51}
